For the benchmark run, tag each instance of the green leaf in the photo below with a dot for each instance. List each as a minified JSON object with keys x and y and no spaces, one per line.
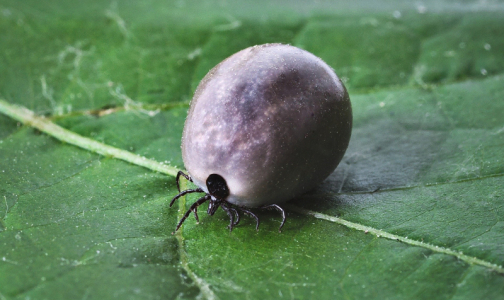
{"x":414,"y":211}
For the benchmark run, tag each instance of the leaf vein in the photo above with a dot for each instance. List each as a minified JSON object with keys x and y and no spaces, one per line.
{"x":380,"y":233}
{"x":184,"y":259}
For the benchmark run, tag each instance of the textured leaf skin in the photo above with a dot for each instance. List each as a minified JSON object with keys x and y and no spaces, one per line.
{"x":425,"y":160}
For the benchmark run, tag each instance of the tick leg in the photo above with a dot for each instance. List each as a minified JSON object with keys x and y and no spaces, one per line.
{"x":231,"y":217}
{"x":278,"y":208}
{"x":198,"y":190}
{"x":195,"y":211}
{"x":248,"y":212}
{"x":195,"y":205}
{"x":180,"y":173}
{"x":237,"y":216}
{"x":234,"y":211}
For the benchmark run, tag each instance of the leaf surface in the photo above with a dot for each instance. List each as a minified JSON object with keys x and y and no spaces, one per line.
{"x":414,"y":211}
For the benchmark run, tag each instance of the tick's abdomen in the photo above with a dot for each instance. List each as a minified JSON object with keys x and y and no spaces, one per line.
{"x":273,"y":120}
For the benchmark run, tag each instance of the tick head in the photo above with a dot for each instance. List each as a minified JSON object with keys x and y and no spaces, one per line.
{"x":217,"y":186}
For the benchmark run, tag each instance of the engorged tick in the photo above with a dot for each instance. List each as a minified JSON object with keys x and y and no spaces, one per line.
{"x":265,"y":125}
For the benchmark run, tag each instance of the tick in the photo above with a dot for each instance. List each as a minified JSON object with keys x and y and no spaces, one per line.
{"x":264,"y":126}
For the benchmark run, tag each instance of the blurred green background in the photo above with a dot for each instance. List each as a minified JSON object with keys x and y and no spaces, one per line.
{"x":425,"y":160}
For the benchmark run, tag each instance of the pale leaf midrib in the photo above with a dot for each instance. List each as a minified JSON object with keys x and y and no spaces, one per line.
{"x":394,"y":237}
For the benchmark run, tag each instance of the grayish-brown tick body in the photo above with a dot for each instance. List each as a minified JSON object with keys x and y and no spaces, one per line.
{"x":265,"y":125}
